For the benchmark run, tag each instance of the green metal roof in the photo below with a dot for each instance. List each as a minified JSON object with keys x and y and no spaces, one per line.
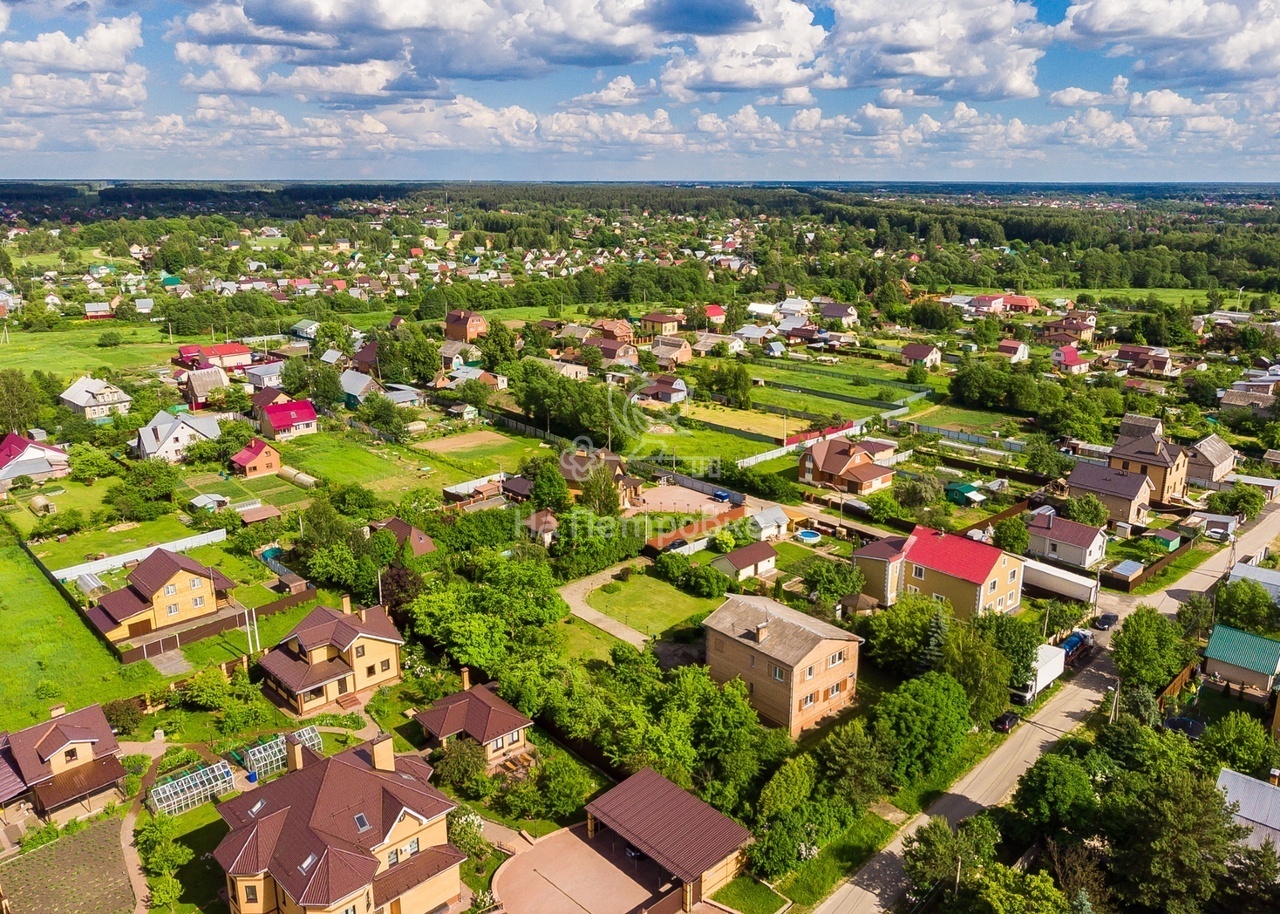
{"x":1252,"y":652}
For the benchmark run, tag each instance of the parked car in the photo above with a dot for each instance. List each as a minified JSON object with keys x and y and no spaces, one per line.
{"x":1106,"y":622}
{"x":634,"y":852}
{"x":675,"y":544}
{"x":1006,"y":722}
{"x":1193,"y":729}
{"x":720,"y":495}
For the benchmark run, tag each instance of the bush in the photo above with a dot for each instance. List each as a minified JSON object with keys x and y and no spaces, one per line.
{"x":461,"y":762}
{"x":352,"y":721}
{"x":625,"y":572}
{"x":176,"y":757}
{"x":136,"y":764}
{"x":123,"y":715}
{"x":208,"y":690}
{"x":612,"y":587}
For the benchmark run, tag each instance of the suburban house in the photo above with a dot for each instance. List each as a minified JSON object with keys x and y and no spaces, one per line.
{"x":331,"y":654}
{"x":921,"y":354}
{"x":1151,"y":361}
{"x":845,"y":315}
{"x":707,"y":342}
{"x":569,"y":370}
{"x":227,"y":355}
{"x":1268,"y":578}
{"x":1127,"y":494}
{"x":305,"y":329}
{"x":264,"y":374}
{"x":1078,"y":330}
{"x":464,"y":326}
{"x":1257,"y":806}
{"x":200,"y":383}
{"x":658,"y":324}
{"x":456,"y":353}
{"x":1014,"y":350}
{"x":1242,"y":657}
{"x":1068,"y":360}
{"x":665,"y":388}
{"x":366,"y":358}
{"x":166,"y":437}
{"x":715,"y":314}
{"x":845,"y":465}
{"x":798,"y":669}
{"x":576,"y":467}
{"x":291,"y":419}
{"x":69,"y":765}
{"x":360,"y":831}
{"x":419,"y":543}
{"x":614,"y":352}
{"x":542,"y":526}
{"x":480,"y":714}
{"x":264,"y":398}
{"x":699,"y":846}
{"x":95,"y":400}
{"x":1210,"y":460}
{"x":166,"y":588}
{"x":975,"y":578}
{"x":39,"y":462}
{"x":751,"y":561}
{"x":257,"y":458}
{"x":613,"y":329}
{"x":1163,"y":463}
{"x":771,"y":523}
{"x":1261,"y":406}
{"x":356,"y":387}
{"x":1136,"y":425}
{"x":672,"y":351}
{"x":1066,"y":540}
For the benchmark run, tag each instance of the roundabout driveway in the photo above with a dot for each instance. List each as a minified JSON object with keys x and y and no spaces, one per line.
{"x":565,"y":873}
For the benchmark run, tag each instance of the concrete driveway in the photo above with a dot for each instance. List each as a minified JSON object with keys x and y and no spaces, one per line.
{"x":564,"y":873}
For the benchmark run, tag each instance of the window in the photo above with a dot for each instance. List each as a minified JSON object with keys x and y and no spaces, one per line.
{"x":393,"y":857}
{"x":170,"y":589}
{"x":808,"y":674}
{"x":257,"y":808}
{"x":753,"y":661}
{"x":70,"y":755}
{"x":917,"y":572}
{"x":1053,"y":548}
{"x":195,"y":583}
{"x":362,"y":823}
{"x":1000,"y":603}
{"x":197,"y":602}
{"x":308,"y":863}
{"x":1013,"y":575}
{"x":359,"y":650}
{"x":497,"y":744}
{"x":250,"y":894}
{"x":1126,"y":465}
{"x":778,"y":674}
{"x":386,"y":665}
{"x":807,"y":701}
{"x":171,"y":609}
{"x":836,"y":688}
{"x":349,"y":909}
{"x":370,"y":671}
{"x":412,"y":848}
{"x":912,"y":589}
{"x":991,"y":588}
{"x":835,"y":659}
{"x":939,"y":598}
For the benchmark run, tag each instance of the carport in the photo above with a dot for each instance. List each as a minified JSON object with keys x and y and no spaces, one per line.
{"x":699,"y":846}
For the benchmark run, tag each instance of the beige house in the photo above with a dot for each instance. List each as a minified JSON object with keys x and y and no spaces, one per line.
{"x":671,"y":351}
{"x":165,"y":589}
{"x":480,"y":714}
{"x":1127,"y":494}
{"x":95,"y":400}
{"x":67,"y":767}
{"x":973,"y":577}
{"x":1066,"y":541}
{"x":1163,"y":463}
{"x":360,"y":832}
{"x":846,"y":465}
{"x":751,"y":561}
{"x":798,"y":669}
{"x":331,"y":656}
{"x":1242,"y":657}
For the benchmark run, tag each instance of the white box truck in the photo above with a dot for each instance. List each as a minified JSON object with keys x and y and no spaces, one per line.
{"x":1050,"y":662}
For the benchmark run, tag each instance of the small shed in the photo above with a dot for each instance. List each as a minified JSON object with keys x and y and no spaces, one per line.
{"x":464,"y":411}
{"x":39,"y":504}
{"x":210,"y":502}
{"x":1169,"y":538}
{"x":964,"y":494}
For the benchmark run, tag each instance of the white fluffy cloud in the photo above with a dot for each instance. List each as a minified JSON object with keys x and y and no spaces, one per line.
{"x":101,"y":48}
{"x":619,"y":92}
{"x":120,"y":93}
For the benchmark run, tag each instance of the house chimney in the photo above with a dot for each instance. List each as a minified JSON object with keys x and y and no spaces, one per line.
{"x":384,"y":754}
{"x":1274,"y":777}
{"x":57,"y":711}
{"x":762,"y":631}
{"x":466,"y":679}
{"x":293,"y":753}
{"x":346,"y":604}
{"x":363,"y":614}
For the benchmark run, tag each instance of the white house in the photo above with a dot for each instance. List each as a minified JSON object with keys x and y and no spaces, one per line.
{"x":1014,"y":350}
{"x":166,"y":437}
{"x":771,"y":523}
{"x":264,"y":374}
{"x":95,"y":400}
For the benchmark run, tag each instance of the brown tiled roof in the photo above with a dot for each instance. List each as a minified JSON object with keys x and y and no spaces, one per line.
{"x":293,"y":671}
{"x":542,"y":522}
{"x":1148,"y":449}
{"x":153,"y":572}
{"x":1061,"y":530}
{"x":887,"y":550}
{"x":265,"y":397}
{"x":418,"y":541}
{"x":330,"y":626}
{"x":394,"y":882}
{"x":684,"y":835}
{"x":478,"y":712}
{"x":750,"y":555}
{"x":33,"y":747}
{"x":79,"y":782}
{"x":1090,"y":477}
{"x":116,"y":607}
{"x":918,"y":350}
{"x":309,"y":814}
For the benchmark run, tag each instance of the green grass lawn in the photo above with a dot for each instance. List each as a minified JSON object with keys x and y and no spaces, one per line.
{"x":585,"y":641}
{"x":650,"y":606}
{"x":234,"y":643}
{"x":973,"y":421}
{"x":482,"y":459}
{"x":1180,"y":566}
{"x":703,"y":443}
{"x":481,"y":879}
{"x":52,"y":654}
{"x":791,"y":554}
{"x":200,"y":829}
{"x":75,"y":496}
{"x":814,"y":879}
{"x":74,"y":351}
{"x":271,"y":490}
{"x":749,"y":896}
{"x":91,"y":543}
{"x":346,"y":458}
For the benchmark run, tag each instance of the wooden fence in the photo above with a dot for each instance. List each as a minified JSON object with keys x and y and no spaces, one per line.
{"x":1115,"y":582}
{"x":1175,"y":687}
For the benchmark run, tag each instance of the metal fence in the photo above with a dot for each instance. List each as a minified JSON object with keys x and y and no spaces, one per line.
{"x":112,"y":562}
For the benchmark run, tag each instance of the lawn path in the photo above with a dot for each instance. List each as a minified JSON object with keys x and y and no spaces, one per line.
{"x":132,"y":862}
{"x":575,"y":594}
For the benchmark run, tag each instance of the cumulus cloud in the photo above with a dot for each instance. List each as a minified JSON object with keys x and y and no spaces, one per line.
{"x":790,"y":97}
{"x":120,"y":93}
{"x":1075,"y":97}
{"x":101,"y":48}
{"x":1165,"y":103}
{"x":894,"y":97}
{"x":4,"y":17}
{"x":619,"y":92}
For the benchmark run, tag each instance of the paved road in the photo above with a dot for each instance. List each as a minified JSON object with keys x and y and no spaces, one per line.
{"x":881,"y":882}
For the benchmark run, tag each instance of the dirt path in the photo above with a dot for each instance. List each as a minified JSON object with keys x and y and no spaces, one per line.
{"x":575,"y":594}
{"x":132,"y":862}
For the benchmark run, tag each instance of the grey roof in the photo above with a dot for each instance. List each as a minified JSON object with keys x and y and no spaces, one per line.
{"x":331,"y":356}
{"x":163,"y":425}
{"x":1259,"y":805}
{"x":770,"y":517}
{"x":1134,"y":425}
{"x":264,"y":370}
{"x":792,"y":635}
{"x":84,"y":391}
{"x":1214,"y":450}
{"x":355,"y":383}
{"x":1109,"y":481}
{"x":203,"y":381}
{"x":1267,"y":577}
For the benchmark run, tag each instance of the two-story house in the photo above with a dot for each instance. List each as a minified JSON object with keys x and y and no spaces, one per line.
{"x":975,"y":578}
{"x":671,"y":351}
{"x":358,"y":386}
{"x":479,"y":714}
{"x":95,"y":399}
{"x":619,"y":330}
{"x":257,"y":458}
{"x":456,"y":353}
{"x":227,"y":355}
{"x":36,"y":460}
{"x":576,"y":467}
{"x":166,"y":437}
{"x":164,"y":589}
{"x":845,"y":465}
{"x":1066,"y":540}
{"x":290,"y":419}
{"x":798,"y":669}
{"x":68,"y":766}
{"x":360,"y":832}
{"x":1165,"y":464}
{"x":1014,"y":350}
{"x":1126,"y":493}
{"x":331,"y":656}
{"x":657,"y":323}
{"x":1068,"y":360}
{"x":464,"y":326}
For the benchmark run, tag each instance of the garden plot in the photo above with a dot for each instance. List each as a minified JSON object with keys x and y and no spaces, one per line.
{"x":82,"y":873}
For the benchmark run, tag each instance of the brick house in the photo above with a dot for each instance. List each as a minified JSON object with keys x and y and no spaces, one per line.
{"x":464,"y":326}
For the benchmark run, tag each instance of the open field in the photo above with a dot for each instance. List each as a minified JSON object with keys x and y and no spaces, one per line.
{"x":747,"y":420}
{"x":345,"y":458}
{"x":649,"y":605}
{"x":482,"y":452}
{"x":74,"y":351}
{"x":76,"y":496}
{"x":53,"y":655}
{"x":702,"y":443}
{"x":974,"y":421}
{"x":272,"y":490}
{"x":57,"y":555}
{"x":813,"y":402}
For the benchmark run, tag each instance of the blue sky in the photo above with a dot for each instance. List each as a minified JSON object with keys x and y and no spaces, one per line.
{"x":641,"y":89}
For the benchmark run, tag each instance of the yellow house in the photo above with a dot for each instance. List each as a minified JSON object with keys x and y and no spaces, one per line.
{"x":481,"y":715}
{"x":331,"y":656}
{"x":973,"y":577}
{"x":1163,"y":463}
{"x":68,"y":766}
{"x":361,"y":832}
{"x":164,"y":589}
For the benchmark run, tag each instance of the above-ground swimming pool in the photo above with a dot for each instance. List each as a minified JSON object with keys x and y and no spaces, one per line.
{"x":809,"y":537}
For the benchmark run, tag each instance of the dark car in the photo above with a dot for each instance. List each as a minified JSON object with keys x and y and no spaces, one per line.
{"x":1192,"y":729}
{"x":1106,"y":622}
{"x":634,"y":852}
{"x":675,"y":544}
{"x":1006,"y":722}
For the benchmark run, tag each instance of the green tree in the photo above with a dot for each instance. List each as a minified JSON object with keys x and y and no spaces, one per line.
{"x":165,"y":892}
{"x":832,"y":581}
{"x":925,"y":719}
{"x":917,"y":374}
{"x":1148,"y":649}
{"x":1195,"y":615}
{"x":1086,"y":509}
{"x":935,"y":853}
{"x":475,"y":392}
{"x":549,"y":490}
{"x":918,"y":492}
{"x":332,"y":335}
{"x":326,"y":387}
{"x":1057,"y":793}
{"x":1247,"y":605}
{"x":1011,"y":535}
{"x":19,"y":401}
{"x":853,"y":765}
{"x":789,"y":787}
{"x":498,"y":346}
{"x":1239,"y":742}
{"x":460,"y":763}
{"x":1043,"y":458}
{"x":1240,"y":499}
{"x":896,"y":636}
{"x":88,"y":463}
{"x":1018,"y":641}
{"x":564,"y":786}
{"x":294,"y":377}
{"x":974,"y":661}
{"x":599,"y":492}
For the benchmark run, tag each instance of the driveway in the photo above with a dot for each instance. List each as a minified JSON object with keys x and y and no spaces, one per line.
{"x":564,"y":873}
{"x":575,"y":594}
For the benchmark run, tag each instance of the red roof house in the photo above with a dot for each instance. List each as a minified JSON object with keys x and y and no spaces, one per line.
{"x":283,"y":421}
{"x":257,"y":458}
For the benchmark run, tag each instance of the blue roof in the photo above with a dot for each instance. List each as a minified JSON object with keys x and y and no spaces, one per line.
{"x":1128,"y":568}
